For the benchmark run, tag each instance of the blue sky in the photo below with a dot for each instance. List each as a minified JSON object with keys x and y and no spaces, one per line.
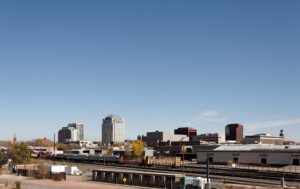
{"x":158,"y":64}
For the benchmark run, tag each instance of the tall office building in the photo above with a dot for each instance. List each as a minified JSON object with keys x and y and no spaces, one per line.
{"x":73,"y":132}
{"x":80,"y":129}
{"x":113,"y":129}
{"x":234,"y":132}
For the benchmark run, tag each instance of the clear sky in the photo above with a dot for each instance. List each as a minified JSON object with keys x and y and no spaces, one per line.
{"x":158,"y":64}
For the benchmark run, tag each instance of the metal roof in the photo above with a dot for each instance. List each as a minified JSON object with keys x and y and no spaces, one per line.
{"x":250,"y":147}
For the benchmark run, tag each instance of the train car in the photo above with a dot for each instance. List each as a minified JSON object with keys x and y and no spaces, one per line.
{"x":131,"y":160}
{"x":163,"y":161}
{"x":94,"y":158}
{"x":110,"y":159}
{"x":82,"y":158}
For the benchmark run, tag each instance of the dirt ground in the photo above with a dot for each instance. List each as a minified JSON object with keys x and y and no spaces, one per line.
{"x":71,"y":183}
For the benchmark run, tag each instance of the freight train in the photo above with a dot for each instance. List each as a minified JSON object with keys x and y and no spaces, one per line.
{"x":116,"y":159}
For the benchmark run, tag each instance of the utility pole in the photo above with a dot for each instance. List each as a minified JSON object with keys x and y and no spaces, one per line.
{"x":182,"y":151}
{"x":207,"y":171}
{"x":104,"y":161}
{"x":54,"y":148}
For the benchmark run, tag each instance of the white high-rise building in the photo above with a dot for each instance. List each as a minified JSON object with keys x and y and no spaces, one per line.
{"x":73,"y":132}
{"x":113,"y":129}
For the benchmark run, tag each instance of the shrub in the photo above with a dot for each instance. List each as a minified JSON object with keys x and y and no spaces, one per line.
{"x":18,"y":184}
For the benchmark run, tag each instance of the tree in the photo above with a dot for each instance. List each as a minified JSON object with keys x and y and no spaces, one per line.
{"x":138,"y":148}
{"x":20,"y":154}
{"x":65,"y":147}
{"x":43,"y":142}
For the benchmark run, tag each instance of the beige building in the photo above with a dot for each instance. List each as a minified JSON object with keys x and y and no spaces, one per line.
{"x":256,"y":154}
{"x":113,"y":129}
{"x":263,"y":139}
{"x":154,"y":138}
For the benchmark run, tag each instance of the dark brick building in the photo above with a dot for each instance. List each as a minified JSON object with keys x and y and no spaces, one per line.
{"x":188,"y":131}
{"x":235,"y":132}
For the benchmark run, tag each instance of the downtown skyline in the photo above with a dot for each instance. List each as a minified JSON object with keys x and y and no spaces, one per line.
{"x":159,"y":65}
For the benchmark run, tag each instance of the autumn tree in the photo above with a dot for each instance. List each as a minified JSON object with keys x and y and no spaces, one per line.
{"x":138,"y":148}
{"x":43,"y":142}
{"x":65,"y":147}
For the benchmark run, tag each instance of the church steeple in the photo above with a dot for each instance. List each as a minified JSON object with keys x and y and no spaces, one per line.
{"x":14,"y":141}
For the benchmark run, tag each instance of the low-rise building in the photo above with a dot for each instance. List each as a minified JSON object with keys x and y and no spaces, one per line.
{"x":188,"y":131}
{"x":263,"y":139}
{"x":256,"y":154}
{"x":210,"y":138}
{"x":3,"y":149}
{"x":154,"y":138}
{"x":84,"y":144}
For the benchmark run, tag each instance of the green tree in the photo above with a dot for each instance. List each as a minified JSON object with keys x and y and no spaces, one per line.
{"x":20,"y":154}
{"x":18,"y":184}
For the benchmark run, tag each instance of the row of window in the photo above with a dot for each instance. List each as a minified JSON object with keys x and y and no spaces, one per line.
{"x":262,"y":160}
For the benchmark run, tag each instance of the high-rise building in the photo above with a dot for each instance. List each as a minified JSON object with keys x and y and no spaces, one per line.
{"x":113,"y":129}
{"x":234,"y":132}
{"x":80,"y":129}
{"x":188,"y":131}
{"x":72,"y":133}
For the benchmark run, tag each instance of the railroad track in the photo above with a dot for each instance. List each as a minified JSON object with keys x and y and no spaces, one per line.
{"x":221,"y":174}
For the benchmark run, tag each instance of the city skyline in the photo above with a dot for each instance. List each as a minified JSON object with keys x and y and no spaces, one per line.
{"x":159,"y":65}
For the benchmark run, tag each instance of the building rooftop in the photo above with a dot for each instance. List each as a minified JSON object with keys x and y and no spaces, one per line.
{"x":263,"y":135}
{"x":3,"y":148}
{"x":113,"y":116}
{"x":251,"y":147}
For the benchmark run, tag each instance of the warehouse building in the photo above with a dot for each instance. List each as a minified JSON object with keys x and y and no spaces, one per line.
{"x":255,"y":154}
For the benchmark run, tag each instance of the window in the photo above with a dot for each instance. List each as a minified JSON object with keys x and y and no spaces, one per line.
{"x":235,"y":160}
{"x":263,"y":160}
{"x":210,"y":159}
{"x":296,"y":162}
